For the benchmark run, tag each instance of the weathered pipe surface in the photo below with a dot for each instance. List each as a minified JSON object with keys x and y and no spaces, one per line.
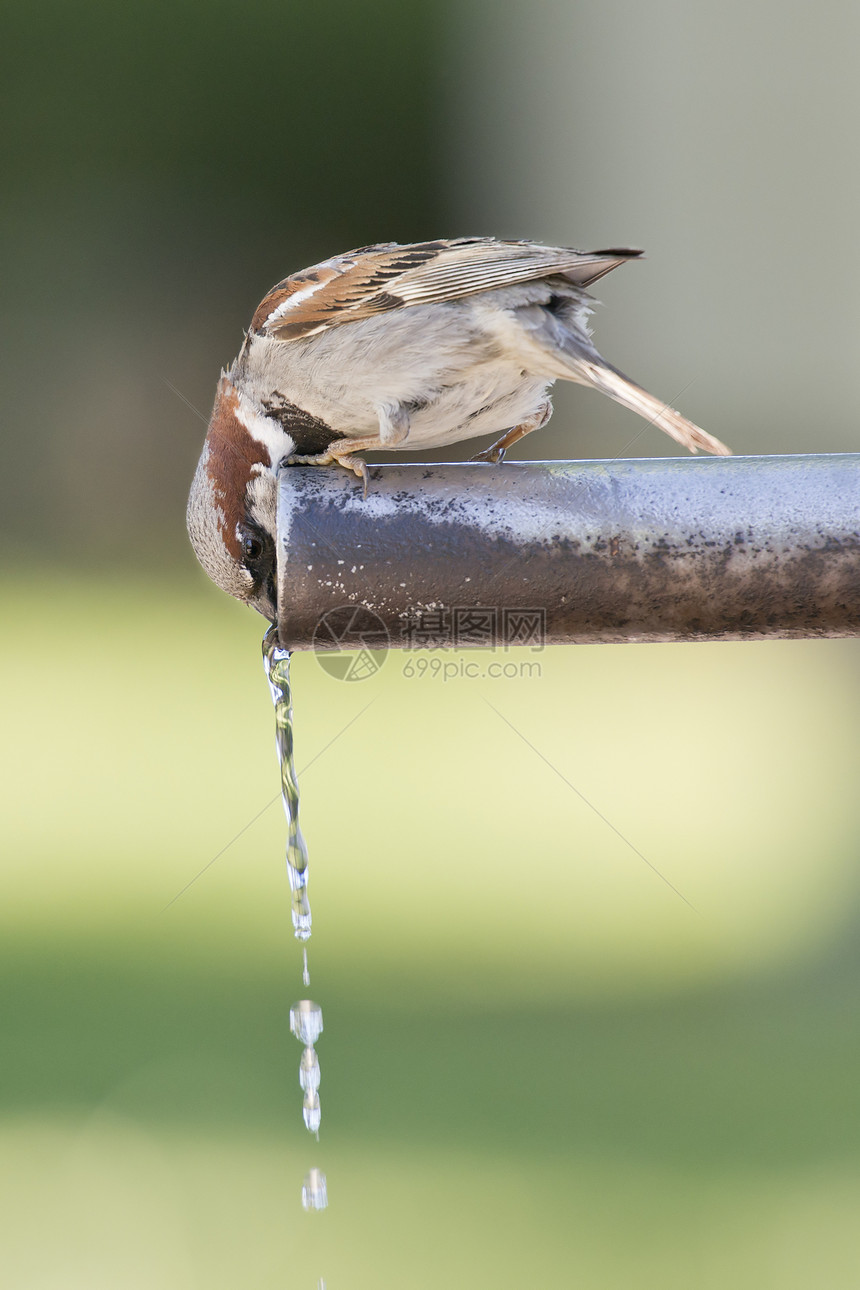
{"x":737,"y":548}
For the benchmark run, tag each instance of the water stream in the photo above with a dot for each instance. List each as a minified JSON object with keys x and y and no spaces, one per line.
{"x":306,"y":1021}
{"x":276,"y":661}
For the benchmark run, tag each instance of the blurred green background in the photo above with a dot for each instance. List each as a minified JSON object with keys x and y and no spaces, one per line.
{"x":540,"y":1064}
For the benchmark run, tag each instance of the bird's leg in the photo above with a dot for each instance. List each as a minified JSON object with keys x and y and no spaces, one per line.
{"x":342,"y":452}
{"x":393,"y":424}
{"x":496,"y":451}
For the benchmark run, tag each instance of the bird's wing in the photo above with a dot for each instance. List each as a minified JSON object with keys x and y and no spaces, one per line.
{"x":375,"y":279}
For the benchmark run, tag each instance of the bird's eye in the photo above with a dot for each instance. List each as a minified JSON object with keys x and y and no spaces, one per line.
{"x":252,"y":548}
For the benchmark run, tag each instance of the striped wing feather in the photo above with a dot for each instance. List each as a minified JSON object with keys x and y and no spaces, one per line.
{"x":378,"y":278}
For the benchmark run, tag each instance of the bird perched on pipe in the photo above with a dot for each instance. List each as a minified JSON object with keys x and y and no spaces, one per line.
{"x":396,"y":347}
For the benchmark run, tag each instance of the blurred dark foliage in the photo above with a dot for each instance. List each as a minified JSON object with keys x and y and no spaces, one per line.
{"x":163,"y":165}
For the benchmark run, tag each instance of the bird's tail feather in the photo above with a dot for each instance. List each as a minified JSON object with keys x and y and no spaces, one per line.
{"x":610,"y":381}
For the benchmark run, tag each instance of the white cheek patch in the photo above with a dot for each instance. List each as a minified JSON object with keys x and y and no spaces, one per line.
{"x":263,"y":498}
{"x":265,"y":430}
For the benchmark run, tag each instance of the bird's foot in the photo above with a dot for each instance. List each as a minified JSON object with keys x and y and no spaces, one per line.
{"x":309,"y":459}
{"x":357,"y":465}
{"x":343,"y":453}
{"x":495,"y":454}
{"x":496,"y":451}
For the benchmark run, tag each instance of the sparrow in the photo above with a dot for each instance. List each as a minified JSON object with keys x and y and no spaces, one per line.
{"x":396,"y":347}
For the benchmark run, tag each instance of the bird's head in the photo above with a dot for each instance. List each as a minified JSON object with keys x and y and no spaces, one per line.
{"x":232,"y":509}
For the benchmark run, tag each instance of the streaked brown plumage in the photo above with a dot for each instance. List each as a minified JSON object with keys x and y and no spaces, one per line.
{"x":397,"y":347}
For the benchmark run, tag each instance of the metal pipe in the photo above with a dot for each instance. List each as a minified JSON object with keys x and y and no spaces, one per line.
{"x":556,"y":552}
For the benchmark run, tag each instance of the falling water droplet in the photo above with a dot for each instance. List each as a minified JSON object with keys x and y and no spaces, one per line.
{"x":311,"y":1112}
{"x":276,"y":661}
{"x":309,"y":1071}
{"x":306,"y":976}
{"x":306,"y":1021}
{"x":314,"y":1190}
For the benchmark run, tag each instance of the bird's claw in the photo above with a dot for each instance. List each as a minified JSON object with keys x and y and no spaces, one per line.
{"x":493,"y":454}
{"x":349,"y":460}
{"x":358,"y":466}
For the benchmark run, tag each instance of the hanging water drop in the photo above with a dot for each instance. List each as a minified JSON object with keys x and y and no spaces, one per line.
{"x":314,"y":1194}
{"x":311,"y":1113}
{"x":309,"y":1071}
{"x":306,"y":1021}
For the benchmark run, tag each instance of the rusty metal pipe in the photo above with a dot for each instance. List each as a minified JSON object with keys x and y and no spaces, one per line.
{"x":692,"y":549}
